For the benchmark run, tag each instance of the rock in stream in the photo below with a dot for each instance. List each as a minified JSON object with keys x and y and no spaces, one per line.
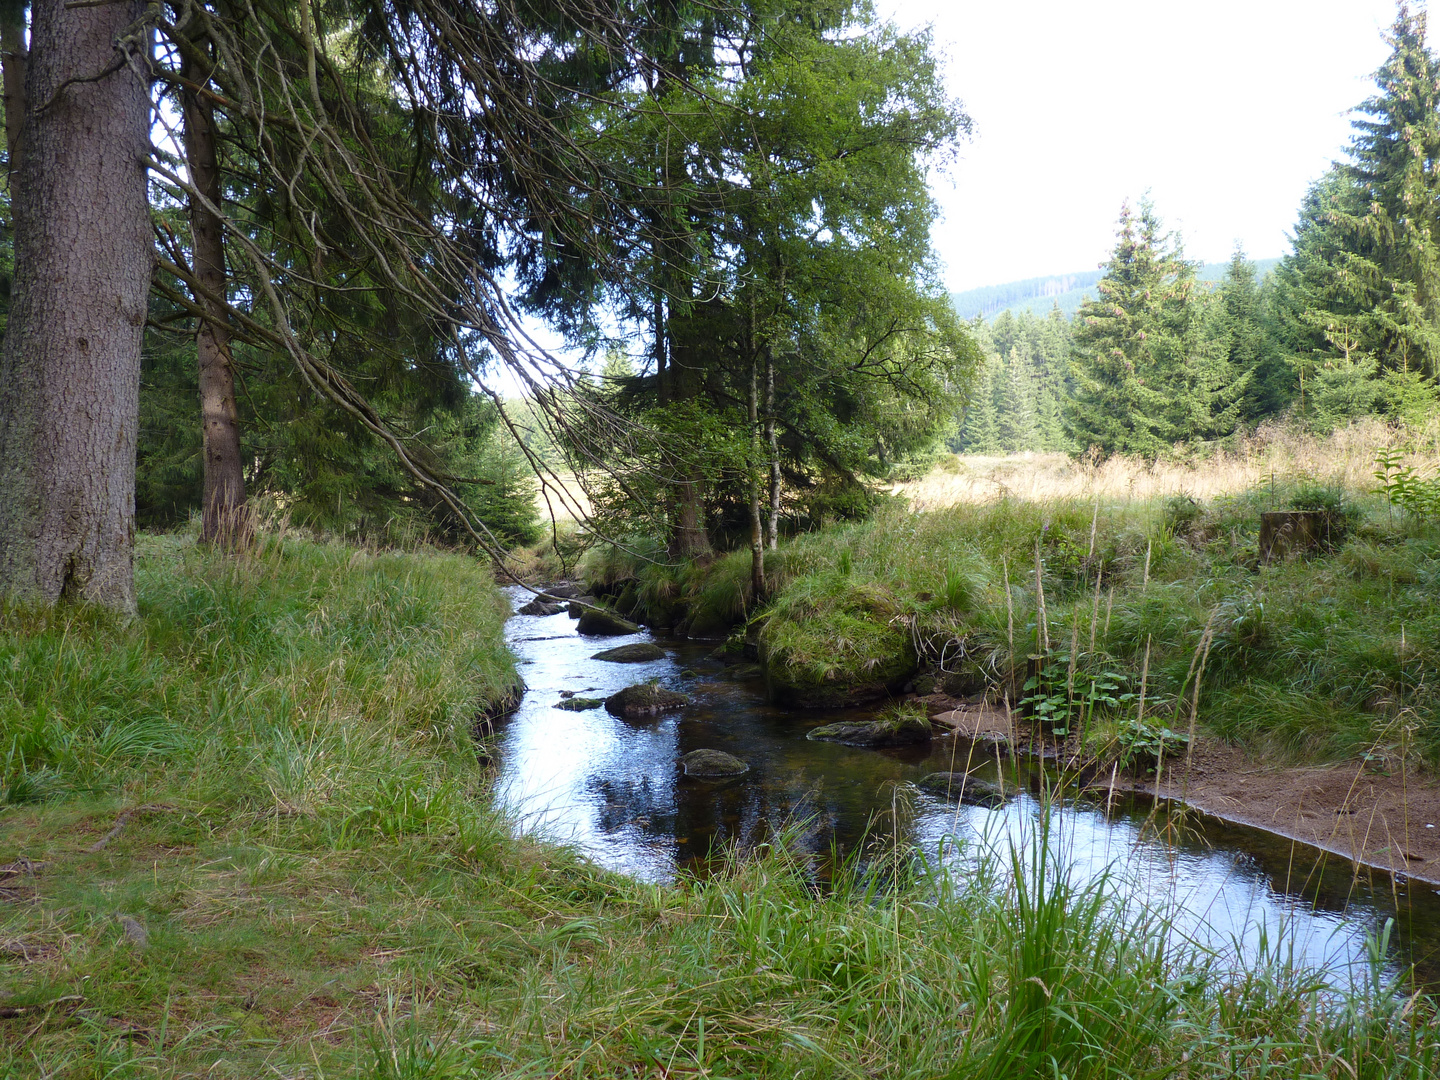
{"x":969,"y":790}
{"x":713,"y":764}
{"x":638,"y":653}
{"x":896,"y":731}
{"x":644,"y":700}
{"x":595,"y":621}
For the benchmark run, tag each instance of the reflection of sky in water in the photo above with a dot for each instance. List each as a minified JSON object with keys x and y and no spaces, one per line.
{"x":1213,"y":897}
{"x":613,"y":790}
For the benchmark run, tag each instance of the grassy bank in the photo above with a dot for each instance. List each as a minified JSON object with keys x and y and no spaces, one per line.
{"x":248,"y":835}
{"x":1075,"y":606}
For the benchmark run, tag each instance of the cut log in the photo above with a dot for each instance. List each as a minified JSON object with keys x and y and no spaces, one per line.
{"x":1284,"y":533}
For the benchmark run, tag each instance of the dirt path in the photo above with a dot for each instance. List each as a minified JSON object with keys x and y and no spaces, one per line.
{"x":1382,"y":818}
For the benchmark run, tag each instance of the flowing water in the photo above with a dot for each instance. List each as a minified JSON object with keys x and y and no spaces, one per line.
{"x":614,"y":790}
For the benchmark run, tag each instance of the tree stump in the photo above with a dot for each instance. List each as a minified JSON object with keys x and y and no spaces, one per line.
{"x":1284,"y":533}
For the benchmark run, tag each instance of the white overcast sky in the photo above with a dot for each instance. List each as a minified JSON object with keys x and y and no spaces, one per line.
{"x":1223,"y":110}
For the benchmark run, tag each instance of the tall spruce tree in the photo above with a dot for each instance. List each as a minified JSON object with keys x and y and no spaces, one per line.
{"x":1358,"y":300}
{"x":1320,"y":303}
{"x":1019,"y":426}
{"x":1392,"y":231}
{"x":1130,"y":343}
{"x":1241,"y":333}
{"x":1052,"y":393}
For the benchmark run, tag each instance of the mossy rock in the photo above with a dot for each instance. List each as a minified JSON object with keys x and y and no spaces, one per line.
{"x":836,"y":644}
{"x":564,"y":590}
{"x":902,"y":729}
{"x":705,"y":625}
{"x":541,"y":606}
{"x":628,"y":601}
{"x":805,"y":685}
{"x":604,"y":624}
{"x":638,"y":653}
{"x":579,"y":605}
{"x":580,"y":704}
{"x":662,"y":613}
{"x":713,"y":764}
{"x":967,"y":682}
{"x":969,"y":790}
{"x":644,"y":700}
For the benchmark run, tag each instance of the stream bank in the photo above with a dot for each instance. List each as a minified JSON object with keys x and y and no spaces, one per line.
{"x":1374,"y":813}
{"x":616,"y":790}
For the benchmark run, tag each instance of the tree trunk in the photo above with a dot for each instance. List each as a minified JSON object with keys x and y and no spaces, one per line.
{"x":688,"y":538}
{"x":13,"y":59}
{"x":70,"y":366}
{"x":772,"y":441}
{"x":757,"y":532}
{"x":225,"y":520}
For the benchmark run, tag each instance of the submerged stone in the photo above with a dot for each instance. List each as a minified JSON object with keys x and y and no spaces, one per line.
{"x":638,"y":653}
{"x":580,"y":704}
{"x":713,"y":763}
{"x":905,"y":730}
{"x":595,"y":621}
{"x":969,"y":790}
{"x":644,"y":700}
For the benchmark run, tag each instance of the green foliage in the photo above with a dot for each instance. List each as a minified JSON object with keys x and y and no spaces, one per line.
{"x":1147,"y":741}
{"x":1358,"y":301}
{"x":1018,"y":401}
{"x":1405,"y":487}
{"x":321,"y":466}
{"x":1147,"y":373}
{"x":798,"y":254}
{"x":1066,"y":697}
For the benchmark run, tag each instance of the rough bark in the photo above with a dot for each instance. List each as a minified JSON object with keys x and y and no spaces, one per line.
{"x":225,"y":520}
{"x":13,"y":60}
{"x":70,"y":366}
{"x":757,"y":530}
{"x":688,"y":538}
{"x":772,"y":440}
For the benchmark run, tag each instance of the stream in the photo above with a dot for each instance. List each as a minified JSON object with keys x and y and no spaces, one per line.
{"x":614,"y":790}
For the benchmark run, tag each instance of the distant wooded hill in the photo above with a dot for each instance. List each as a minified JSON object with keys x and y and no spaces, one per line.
{"x":1039,"y":295}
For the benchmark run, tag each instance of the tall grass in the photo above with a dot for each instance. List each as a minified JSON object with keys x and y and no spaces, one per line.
{"x":1312,"y":658}
{"x":322,"y":890}
{"x":282,"y":679}
{"x":1242,"y":463}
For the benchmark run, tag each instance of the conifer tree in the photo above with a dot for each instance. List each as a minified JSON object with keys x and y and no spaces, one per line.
{"x":1359,"y":298}
{"x":1019,"y":430}
{"x":1214,"y":385}
{"x":982,"y":420}
{"x":1240,"y":329}
{"x":1053,"y":390}
{"x":1130,"y":342}
{"x":1392,"y":232}
{"x":1320,"y":302}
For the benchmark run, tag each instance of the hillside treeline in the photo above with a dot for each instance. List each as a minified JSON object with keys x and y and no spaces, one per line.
{"x":1348,"y":325}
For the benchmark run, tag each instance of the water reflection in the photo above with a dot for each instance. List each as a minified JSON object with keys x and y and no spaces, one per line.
{"x":614,"y":789}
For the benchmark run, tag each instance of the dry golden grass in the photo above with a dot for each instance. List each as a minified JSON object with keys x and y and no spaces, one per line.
{"x":1275,"y":452}
{"x":561,"y":498}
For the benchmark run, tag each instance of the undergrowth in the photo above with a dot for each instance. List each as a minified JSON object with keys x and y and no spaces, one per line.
{"x":249,"y":836}
{"x":1323,"y":657}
